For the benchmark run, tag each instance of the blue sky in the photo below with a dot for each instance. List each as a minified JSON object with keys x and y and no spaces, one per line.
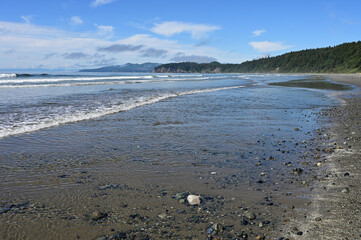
{"x":73,"y":34}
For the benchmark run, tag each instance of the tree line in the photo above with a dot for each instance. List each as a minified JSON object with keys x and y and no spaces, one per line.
{"x":343,"y":58}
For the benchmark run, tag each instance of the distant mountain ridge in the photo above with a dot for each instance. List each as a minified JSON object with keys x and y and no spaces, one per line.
{"x":343,"y":58}
{"x":129,"y":67}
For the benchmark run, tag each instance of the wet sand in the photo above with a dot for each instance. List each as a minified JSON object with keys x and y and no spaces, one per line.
{"x":291,"y":191}
{"x":354,"y":79}
{"x":334,"y":209}
{"x":336,"y":206}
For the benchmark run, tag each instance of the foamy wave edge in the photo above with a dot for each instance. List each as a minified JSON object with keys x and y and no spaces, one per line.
{"x":39,"y":80}
{"x":110,"y":110}
{"x":86,"y":83}
{"x":8,"y":75}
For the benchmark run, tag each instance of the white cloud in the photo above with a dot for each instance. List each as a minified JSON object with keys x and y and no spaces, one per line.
{"x":258,"y":32}
{"x":27,"y":19}
{"x":192,"y":58}
{"x":76,"y":20}
{"x":170,"y":28}
{"x":97,"y":3}
{"x":267,"y":46}
{"x":350,"y":22}
{"x":48,"y":46}
{"x":107,"y":31}
{"x":29,"y":30}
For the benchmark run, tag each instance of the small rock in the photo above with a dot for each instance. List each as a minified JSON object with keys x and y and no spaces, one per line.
{"x":181,"y":195}
{"x":244,"y":221}
{"x":345,"y":190}
{"x":108,"y":186}
{"x":162,"y":216}
{"x":298,"y":171}
{"x":193,"y":200}
{"x":214,"y":229}
{"x":346,"y":174}
{"x":97,"y":215}
{"x":299,"y":233}
{"x":250,"y":215}
{"x":243,"y":235}
{"x":121,"y":235}
{"x":297,"y":129}
{"x":213,"y":173}
{"x":210,"y":231}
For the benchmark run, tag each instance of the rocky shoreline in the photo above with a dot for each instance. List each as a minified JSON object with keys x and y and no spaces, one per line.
{"x":336,"y":212}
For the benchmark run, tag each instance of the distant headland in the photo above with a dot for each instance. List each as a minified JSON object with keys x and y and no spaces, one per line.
{"x":129,"y":67}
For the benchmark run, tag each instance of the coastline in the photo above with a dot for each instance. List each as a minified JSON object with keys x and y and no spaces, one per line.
{"x":335,"y":209}
{"x":277,"y":191}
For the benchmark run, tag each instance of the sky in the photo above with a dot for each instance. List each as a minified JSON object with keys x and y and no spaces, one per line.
{"x":75,"y":34}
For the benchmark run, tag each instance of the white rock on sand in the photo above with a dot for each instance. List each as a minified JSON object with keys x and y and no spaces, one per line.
{"x":193,"y":200}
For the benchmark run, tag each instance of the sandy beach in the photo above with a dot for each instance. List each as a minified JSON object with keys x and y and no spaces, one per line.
{"x":336,"y":210}
{"x":263,"y":172}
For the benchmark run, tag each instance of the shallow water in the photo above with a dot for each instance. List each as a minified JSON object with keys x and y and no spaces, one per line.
{"x":316,"y":83}
{"x":154,"y":139}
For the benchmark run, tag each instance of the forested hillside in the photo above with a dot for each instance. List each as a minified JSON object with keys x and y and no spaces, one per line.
{"x":343,"y":58}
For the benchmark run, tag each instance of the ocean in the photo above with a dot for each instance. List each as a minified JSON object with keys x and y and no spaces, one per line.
{"x":66,"y":137}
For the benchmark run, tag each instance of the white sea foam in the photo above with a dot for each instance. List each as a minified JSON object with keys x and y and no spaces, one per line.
{"x":53,"y":121}
{"x":92,"y":81}
{"x":63,"y":79}
{"x":7,"y":75}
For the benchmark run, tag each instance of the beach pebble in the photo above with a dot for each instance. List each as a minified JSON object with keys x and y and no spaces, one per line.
{"x":109,"y":186}
{"x":298,"y":171}
{"x":250,"y":215}
{"x":345,"y":190}
{"x":193,"y":200}
{"x":162,"y":216}
{"x":214,"y":229}
{"x":181,"y":195}
{"x":97,"y":215}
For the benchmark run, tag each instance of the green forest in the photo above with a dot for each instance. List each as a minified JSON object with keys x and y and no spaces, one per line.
{"x":343,"y":58}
